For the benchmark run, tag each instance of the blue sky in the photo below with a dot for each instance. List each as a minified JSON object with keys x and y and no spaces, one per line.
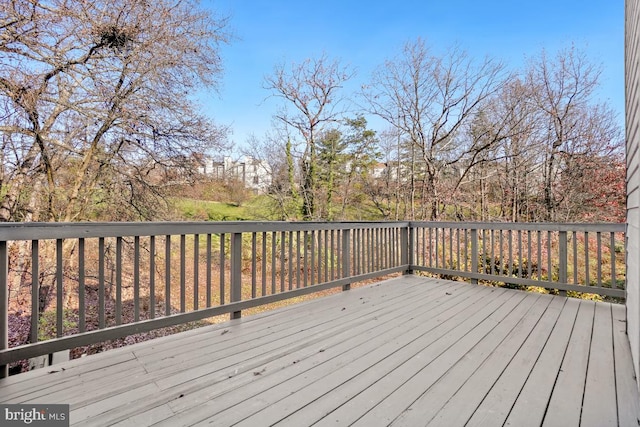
{"x":362,"y":34}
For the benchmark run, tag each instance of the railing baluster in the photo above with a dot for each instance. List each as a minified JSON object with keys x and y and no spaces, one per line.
{"x":346,"y":245}
{"x":313,"y":257}
{"x":297,"y":259}
{"x":319,"y":268}
{"x":599,"y":264}
{"x":167,"y":275}
{"x":283,"y":244}
{"x":290,"y":272}
{"x":81,"y":289}
{"x":549,"y":270}
{"x":136,"y":278}
{"x":305,"y":239}
{"x":529,"y":266}
{"x":235,"y":293}
{"x":339,"y":264}
{"x":451,"y":263}
{"x":35,"y":288}
{"x":59,"y":286}
{"x":381,"y":248}
{"x":474,"y":254}
{"x":404,"y":245}
{"x":539,"y":233}
{"x":510,"y":244}
{"x":493,"y":251}
{"x":466,"y":251}
{"x":444,"y":247}
{"x":4,"y":307}
{"x":209,"y":275}
{"x":183,"y":273}
{"x":332,"y":255}
{"x":118,"y":280}
{"x":502,"y":262}
{"x":152,"y":277}
{"x":273,"y":262}
{"x":520,"y":253}
{"x":326,"y":255}
{"x":562,"y":259}
{"x":575,"y":257}
{"x":355,"y":239}
{"x":254,"y":247}
{"x":394,"y":240}
{"x":264,"y":263}
{"x":485,"y":252}
{"x":437,"y":248}
{"x":222,"y":262}
{"x":586,"y":259}
{"x":458,"y":248}
{"x":411,"y":237}
{"x":362,"y":243}
{"x":196,"y":271}
{"x":370,"y":251}
{"x":101,"y":288}
{"x":612,"y":250}
{"x":431,"y":247}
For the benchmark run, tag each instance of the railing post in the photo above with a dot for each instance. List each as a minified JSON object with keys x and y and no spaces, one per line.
{"x":4,"y":304}
{"x":474,"y":253}
{"x":407,"y":242}
{"x":236,"y":271}
{"x":346,"y":257}
{"x":562,"y":259}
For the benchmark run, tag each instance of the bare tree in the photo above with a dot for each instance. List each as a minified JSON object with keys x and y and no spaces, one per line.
{"x":562,"y":89}
{"x":94,"y":98}
{"x":313,"y":89}
{"x":429,"y":99}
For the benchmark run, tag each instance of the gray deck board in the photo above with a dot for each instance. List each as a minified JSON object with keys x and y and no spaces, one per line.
{"x":324,"y":377}
{"x":530,"y":405}
{"x":442,"y":358}
{"x":407,"y":345}
{"x":459,"y":384}
{"x":628,"y":409}
{"x":565,"y":405}
{"x":496,"y":405}
{"x":599,"y":405}
{"x":408,"y":351}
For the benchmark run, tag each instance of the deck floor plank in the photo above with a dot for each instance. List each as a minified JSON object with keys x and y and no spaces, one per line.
{"x":530,"y":405}
{"x":327,"y":376}
{"x":308,"y":332}
{"x":565,"y":404}
{"x":508,"y":335}
{"x":599,"y":405}
{"x":412,"y":346}
{"x":407,"y":351}
{"x":202,"y":394}
{"x":422,"y":379}
{"x":391,"y":390}
{"x":628,"y":409}
{"x":496,"y":405}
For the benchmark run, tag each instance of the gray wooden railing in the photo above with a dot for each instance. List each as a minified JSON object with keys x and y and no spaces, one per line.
{"x":101,"y":281}
{"x":587,"y":258}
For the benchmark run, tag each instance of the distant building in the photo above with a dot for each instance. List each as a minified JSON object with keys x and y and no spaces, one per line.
{"x":254,"y":173}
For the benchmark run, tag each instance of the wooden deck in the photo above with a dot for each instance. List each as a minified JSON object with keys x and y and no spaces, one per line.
{"x":409,"y":351}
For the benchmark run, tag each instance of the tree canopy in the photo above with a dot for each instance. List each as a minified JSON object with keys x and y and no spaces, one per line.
{"x":95,"y":103}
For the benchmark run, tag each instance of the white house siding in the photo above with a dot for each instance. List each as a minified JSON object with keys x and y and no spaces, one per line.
{"x":632,"y":82}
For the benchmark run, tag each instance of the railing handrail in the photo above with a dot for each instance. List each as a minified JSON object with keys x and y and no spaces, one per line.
{"x":11,"y":231}
{"x":526,"y":226}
